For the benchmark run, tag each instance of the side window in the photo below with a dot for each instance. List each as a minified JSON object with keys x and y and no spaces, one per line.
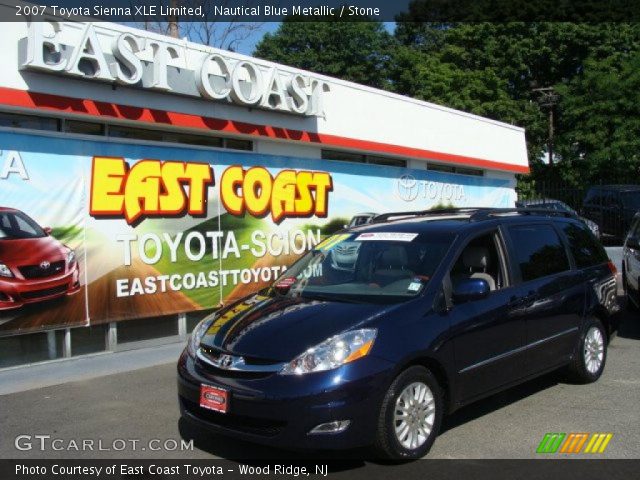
{"x":480,"y":259}
{"x":24,"y":226}
{"x":585,"y":248}
{"x":538,"y":251}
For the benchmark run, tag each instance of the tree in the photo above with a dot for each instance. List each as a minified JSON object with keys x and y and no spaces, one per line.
{"x":495,"y":69}
{"x":601,"y":119}
{"x":227,"y":35}
{"x":355,"y":51}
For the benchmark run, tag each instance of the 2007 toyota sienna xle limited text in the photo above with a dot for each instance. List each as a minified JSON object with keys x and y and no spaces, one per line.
{"x":422,"y":314}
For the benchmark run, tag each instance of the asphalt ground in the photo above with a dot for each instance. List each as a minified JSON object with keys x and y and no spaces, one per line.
{"x":142,"y":405}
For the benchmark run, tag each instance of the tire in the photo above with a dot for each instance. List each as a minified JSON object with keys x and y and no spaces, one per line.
{"x":409,"y":384}
{"x":591,"y":354}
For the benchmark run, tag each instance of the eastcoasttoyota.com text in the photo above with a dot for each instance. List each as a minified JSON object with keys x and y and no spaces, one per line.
{"x":301,"y":239}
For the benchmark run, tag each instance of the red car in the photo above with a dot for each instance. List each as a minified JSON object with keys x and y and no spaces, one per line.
{"x":34,"y":266}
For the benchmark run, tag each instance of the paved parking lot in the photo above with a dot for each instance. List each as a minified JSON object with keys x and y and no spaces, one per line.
{"x":141,"y":404}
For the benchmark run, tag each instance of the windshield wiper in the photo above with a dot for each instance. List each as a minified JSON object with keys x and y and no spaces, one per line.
{"x":330,"y":297}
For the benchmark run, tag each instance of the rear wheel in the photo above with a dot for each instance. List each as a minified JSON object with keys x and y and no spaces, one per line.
{"x":410,"y":415}
{"x":591,"y":354}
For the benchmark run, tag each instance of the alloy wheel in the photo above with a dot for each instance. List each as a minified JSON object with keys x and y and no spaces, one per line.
{"x":414,"y":415}
{"x":593,"y":350}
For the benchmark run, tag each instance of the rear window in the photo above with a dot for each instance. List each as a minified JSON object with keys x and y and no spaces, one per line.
{"x":585,"y":248}
{"x":538,"y":251}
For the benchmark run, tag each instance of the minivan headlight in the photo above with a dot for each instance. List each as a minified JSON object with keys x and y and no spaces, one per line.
{"x":71,"y":256}
{"x":196,"y":335}
{"x":4,"y":271}
{"x":333,"y":352}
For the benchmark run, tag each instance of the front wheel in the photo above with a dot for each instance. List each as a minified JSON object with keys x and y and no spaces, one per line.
{"x":410,"y":415}
{"x":591,"y":355}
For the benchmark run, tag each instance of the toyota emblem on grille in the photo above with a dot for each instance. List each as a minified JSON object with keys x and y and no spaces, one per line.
{"x":229,"y":362}
{"x":45,"y":265}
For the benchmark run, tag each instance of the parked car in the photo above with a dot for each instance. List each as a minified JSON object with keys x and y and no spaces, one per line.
{"x":612,"y":207}
{"x":34,"y":266}
{"x":361,"y":219}
{"x":440,"y":310}
{"x":552,"y":204}
{"x":631,"y":263}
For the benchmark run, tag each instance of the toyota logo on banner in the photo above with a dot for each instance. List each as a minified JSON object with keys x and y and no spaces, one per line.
{"x":407,"y":188}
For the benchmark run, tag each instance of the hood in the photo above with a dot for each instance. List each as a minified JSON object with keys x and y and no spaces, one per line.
{"x":30,"y":251}
{"x":280,"y":328}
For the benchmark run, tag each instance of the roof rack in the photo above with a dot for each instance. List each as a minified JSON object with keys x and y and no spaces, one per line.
{"x":483,"y":214}
{"x":385,"y":217}
{"x":475,"y":213}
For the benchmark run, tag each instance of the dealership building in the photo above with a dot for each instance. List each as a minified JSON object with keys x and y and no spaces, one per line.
{"x":80,"y":85}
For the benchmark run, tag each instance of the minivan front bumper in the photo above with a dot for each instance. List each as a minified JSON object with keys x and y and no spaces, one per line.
{"x":281,"y":410}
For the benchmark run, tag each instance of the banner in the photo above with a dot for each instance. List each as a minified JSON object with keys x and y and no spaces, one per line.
{"x":95,"y":231}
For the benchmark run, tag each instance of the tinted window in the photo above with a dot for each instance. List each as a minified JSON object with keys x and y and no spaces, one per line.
{"x":631,"y":200}
{"x":538,"y":251}
{"x":16,"y":225}
{"x":586,"y":250}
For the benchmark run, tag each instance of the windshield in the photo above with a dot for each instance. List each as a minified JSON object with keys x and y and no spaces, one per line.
{"x":631,"y":200}
{"x":16,"y":225}
{"x":366,"y":267}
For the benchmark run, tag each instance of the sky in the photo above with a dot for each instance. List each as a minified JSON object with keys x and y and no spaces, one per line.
{"x":248,"y":46}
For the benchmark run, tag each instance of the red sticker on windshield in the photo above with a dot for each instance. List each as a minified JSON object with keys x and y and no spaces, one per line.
{"x":286,"y":282}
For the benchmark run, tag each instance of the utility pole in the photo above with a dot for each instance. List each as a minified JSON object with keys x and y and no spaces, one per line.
{"x":548,"y":99}
{"x":174,"y":31}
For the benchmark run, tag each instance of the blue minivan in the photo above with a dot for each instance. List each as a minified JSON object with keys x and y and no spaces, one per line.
{"x":369,"y":339}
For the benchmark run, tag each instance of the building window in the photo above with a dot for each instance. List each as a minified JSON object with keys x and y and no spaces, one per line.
{"x":147,"y":329}
{"x":188,"y":139}
{"x":34,"y":347}
{"x":343,"y":156}
{"x":438,"y":167}
{"x":34,"y":122}
{"x":84,"y":128}
{"x":237,"y":144}
{"x":389,"y":162}
{"x":362,"y":158}
{"x":135,"y":133}
{"x":86,"y":340}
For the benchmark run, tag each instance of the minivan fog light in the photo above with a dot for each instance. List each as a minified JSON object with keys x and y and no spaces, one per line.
{"x":336,"y":426}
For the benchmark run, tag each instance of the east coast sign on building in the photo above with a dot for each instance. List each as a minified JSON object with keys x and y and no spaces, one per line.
{"x":158,"y":63}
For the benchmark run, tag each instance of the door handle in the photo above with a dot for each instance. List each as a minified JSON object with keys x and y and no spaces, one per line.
{"x":523,"y":301}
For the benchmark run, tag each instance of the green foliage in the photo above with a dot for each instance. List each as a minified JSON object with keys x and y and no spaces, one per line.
{"x":493,"y":70}
{"x":442,"y":206}
{"x":355,"y":51}
{"x":334,"y":225}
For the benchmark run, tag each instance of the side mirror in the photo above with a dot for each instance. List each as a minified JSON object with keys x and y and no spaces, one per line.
{"x":47,"y":230}
{"x":633,"y":242}
{"x":345,"y":226}
{"x":470,"y":289}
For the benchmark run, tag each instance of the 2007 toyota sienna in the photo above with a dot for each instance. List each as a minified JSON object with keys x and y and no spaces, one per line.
{"x":381,"y":330}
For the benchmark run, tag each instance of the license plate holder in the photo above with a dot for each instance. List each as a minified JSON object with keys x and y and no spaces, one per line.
{"x":214,"y":398}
